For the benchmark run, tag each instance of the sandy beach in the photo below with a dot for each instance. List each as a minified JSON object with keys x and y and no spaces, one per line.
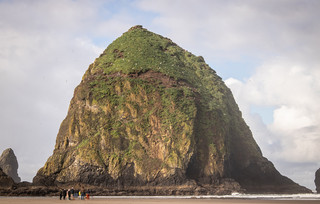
{"x":45,"y":200}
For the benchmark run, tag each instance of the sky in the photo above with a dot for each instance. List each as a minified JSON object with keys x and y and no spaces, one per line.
{"x":266,"y":51}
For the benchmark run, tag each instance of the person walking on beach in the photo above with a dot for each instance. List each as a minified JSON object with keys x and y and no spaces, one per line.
{"x":64,"y":193}
{"x":75,"y":195}
{"x":87,"y":195}
{"x":61,"y":193}
{"x":69,"y":194}
{"x":72,"y":193}
{"x":82,"y":194}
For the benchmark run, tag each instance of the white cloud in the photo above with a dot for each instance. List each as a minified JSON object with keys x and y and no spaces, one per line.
{"x":291,"y":118}
{"x":236,"y":30}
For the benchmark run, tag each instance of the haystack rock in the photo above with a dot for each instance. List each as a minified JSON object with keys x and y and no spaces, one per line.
{"x":317,"y":181}
{"x":9,"y":164}
{"x":149,"y":113}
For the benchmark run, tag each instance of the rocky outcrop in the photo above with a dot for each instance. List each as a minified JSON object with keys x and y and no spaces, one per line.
{"x":5,"y":180}
{"x":147,"y":114}
{"x":9,"y":164}
{"x":317,"y":180}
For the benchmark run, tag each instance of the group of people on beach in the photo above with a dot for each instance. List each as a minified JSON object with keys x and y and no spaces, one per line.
{"x":72,"y":194}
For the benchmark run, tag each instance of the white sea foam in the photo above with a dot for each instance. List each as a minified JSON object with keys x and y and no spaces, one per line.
{"x":233,"y":196}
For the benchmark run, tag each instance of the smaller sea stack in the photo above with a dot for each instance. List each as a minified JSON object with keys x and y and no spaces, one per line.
{"x":9,"y":164}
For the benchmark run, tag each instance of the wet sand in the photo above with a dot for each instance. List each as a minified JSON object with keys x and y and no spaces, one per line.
{"x":45,"y":200}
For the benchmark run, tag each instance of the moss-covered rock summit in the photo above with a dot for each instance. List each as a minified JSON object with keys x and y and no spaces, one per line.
{"x":148,"y":112}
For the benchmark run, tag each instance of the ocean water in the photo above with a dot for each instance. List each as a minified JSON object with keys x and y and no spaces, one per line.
{"x":312,"y":196}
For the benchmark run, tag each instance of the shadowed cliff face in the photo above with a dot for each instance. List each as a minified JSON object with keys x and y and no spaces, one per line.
{"x":317,"y":180}
{"x":149,"y":112}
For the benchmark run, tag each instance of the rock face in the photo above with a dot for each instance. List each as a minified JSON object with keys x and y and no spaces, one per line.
{"x":148,"y":112}
{"x":9,"y":164}
{"x":317,"y":181}
{"x":5,"y":180}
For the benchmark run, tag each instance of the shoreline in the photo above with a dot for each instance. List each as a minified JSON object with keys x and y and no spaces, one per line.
{"x":313,"y":196}
{"x":154,"y":200}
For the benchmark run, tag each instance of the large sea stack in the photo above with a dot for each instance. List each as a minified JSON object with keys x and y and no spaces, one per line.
{"x":9,"y":164}
{"x":149,"y":113}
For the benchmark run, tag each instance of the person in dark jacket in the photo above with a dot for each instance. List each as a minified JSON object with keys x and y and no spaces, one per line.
{"x":72,"y":193}
{"x":82,"y":194}
{"x":61,"y":193}
{"x":64,"y":194}
{"x":69,"y":194}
